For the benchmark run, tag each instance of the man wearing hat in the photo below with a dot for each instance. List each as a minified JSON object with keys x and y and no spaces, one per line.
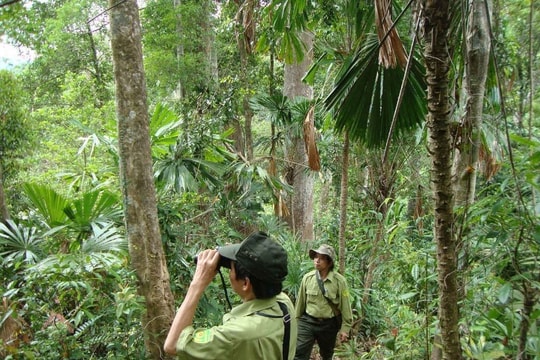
{"x":262,"y":327}
{"x":323,"y":307}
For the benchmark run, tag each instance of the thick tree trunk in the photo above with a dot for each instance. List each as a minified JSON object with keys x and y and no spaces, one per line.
{"x":299,"y":176}
{"x":140,"y":208}
{"x":476,"y":67}
{"x":437,"y":53}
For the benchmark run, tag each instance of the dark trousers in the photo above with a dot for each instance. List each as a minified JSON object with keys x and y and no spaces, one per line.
{"x":310,"y":330}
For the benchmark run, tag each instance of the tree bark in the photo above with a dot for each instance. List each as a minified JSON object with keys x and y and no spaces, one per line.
{"x":180,"y":91}
{"x":299,"y":176}
{"x":437,"y":51}
{"x":245,"y":39}
{"x":343,"y":203}
{"x":140,"y":206}
{"x":476,"y":67}
{"x":529,"y":301}
{"x":4,"y":212}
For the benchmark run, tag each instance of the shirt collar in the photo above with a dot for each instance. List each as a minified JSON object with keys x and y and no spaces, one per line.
{"x":250,"y":307}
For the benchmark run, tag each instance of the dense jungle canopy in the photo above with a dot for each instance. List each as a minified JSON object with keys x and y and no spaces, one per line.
{"x":134,"y":134}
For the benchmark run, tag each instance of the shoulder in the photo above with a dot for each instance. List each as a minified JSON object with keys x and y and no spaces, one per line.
{"x":310,"y":274}
{"x":340,"y":278}
{"x":284,"y":298}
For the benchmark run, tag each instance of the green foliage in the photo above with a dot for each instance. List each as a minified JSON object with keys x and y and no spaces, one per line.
{"x":177,"y":39}
{"x":65,"y":252}
{"x":83,"y":216}
{"x":78,"y":305}
{"x":363,"y":109}
{"x":287,"y":20}
{"x":19,"y":245}
{"x":13,"y":122}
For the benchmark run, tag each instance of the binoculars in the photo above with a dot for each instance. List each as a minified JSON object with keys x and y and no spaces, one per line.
{"x":223,"y":262}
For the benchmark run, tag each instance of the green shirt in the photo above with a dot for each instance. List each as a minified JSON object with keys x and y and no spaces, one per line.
{"x":311,"y":300}
{"x":244,"y":335}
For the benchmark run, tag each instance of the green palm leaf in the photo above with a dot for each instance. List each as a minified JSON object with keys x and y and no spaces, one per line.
{"x":366,"y":94}
{"x":93,"y":207}
{"x":187,"y":174}
{"x":105,"y":239}
{"x":48,"y":202}
{"x":19,"y":243}
{"x":164,"y":130}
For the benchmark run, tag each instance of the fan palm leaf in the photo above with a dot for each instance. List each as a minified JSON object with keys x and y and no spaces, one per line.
{"x":19,"y":243}
{"x":288,"y":19}
{"x":164,"y":130}
{"x":49,"y":203}
{"x":105,"y":239}
{"x":92,"y":207}
{"x":366,"y":94}
{"x":186,"y":174}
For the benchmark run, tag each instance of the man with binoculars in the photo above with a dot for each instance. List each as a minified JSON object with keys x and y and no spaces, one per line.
{"x":262,"y":327}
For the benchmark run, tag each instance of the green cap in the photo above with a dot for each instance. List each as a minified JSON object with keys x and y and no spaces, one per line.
{"x":324,"y":249}
{"x":261,"y":256}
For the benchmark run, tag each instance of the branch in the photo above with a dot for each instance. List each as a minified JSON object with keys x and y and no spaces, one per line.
{"x":8,"y":2}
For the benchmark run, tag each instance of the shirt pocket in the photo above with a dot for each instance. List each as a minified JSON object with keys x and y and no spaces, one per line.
{"x":313,"y":292}
{"x":332,"y":291}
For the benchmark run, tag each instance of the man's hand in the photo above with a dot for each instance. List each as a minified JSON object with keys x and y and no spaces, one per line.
{"x":343,"y":336}
{"x":206,"y":268}
{"x":204,"y":273}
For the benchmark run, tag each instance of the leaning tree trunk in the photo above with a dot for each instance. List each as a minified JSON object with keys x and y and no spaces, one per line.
{"x":300,"y":202}
{"x":140,"y":207}
{"x":437,"y":53}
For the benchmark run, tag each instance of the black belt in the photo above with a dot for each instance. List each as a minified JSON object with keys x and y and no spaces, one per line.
{"x":319,"y":320}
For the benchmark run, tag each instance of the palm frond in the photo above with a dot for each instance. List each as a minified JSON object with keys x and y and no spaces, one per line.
{"x":105,"y":239}
{"x":366,"y":95}
{"x":289,"y":19}
{"x":187,"y":174}
{"x":19,"y":243}
{"x":277,"y":107}
{"x":48,"y":202}
{"x":93,"y":206}
{"x":164,"y":130}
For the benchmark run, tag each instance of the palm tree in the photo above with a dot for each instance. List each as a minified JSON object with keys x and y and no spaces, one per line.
{"x":370,"y":118}
{"x":437,"y":49}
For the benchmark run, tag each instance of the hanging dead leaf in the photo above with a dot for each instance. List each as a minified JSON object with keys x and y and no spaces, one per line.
{"x":309,"y":141}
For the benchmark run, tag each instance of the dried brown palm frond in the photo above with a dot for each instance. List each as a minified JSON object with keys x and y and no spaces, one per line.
{"x":392,"y":52}
{"x":488,"y":163}
{"x":309,"y":141}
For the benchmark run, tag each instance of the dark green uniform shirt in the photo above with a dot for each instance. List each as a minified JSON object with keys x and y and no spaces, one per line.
{"x":247,"y":333}
{"x":311,"y":300}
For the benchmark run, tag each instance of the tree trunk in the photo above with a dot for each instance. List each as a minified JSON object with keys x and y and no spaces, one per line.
{"x":437,"y":53}
{"x":140,"y":208}
{"x":476,"y":67}
{"x":4,"y":212}
{"x":343,"y":203}
{"x":529,"y":301}
{"x":180,"y":91}
{"x":246,"y":25}
{"x":300,"y":202}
